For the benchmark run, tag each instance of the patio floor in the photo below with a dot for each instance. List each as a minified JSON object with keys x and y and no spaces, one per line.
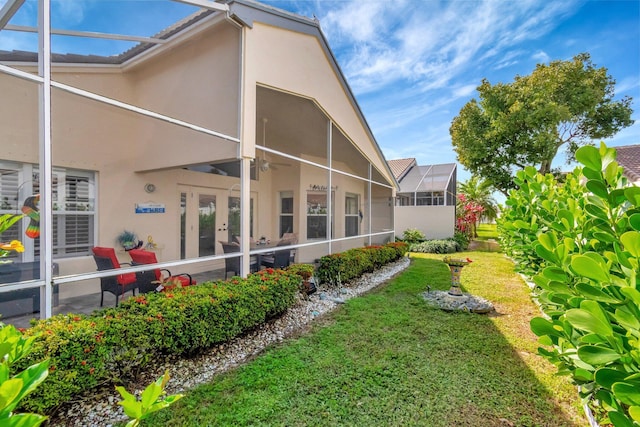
{"x":87,"y":304}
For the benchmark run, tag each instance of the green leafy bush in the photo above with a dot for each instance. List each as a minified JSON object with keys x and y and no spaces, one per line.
{"x":353,"y":263}
{"x":149,"y":402}
{"x":113,"y":345}
{"x":305,"y":271}
{"x":462,"y":239}
{"x":413,"y":235}
{"x":13,"y":388}
{"x":581,"y":244}
{"x":446,"y":246}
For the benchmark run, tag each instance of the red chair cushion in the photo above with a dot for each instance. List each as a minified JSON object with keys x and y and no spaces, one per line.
{"x":140,"y":256}
{"x":184,"y":281}
{"x":123,"y":279}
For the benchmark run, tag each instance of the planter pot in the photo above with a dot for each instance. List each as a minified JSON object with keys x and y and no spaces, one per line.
{"x":309,"y":287}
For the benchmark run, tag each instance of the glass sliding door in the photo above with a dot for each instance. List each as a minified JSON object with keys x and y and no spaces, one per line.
{"x":206,"y":225}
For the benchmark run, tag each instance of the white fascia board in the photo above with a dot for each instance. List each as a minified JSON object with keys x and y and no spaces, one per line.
{"x":6,"y":13}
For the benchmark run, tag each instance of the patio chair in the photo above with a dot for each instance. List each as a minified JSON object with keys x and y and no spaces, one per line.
{"x":278,"y":259}
{"x":233,"y":264}
{"x":154,"y":280}
{"x":292,"y":239}
{"x":119,"y":284}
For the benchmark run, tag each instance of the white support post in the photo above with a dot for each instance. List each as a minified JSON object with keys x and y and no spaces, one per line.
{"x":329,"y":191}
{"x":370,"y":204}
{"x":245,"y":212}
{"x":44,"y":109}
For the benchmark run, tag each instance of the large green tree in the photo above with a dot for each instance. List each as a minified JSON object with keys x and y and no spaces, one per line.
{"x":526,"y":122}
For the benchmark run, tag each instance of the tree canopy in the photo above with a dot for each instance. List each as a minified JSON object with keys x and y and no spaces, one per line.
{"x":526,"y":122}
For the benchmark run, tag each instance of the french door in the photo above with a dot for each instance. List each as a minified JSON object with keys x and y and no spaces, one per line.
{"x":208,"y":216}
{"x":203,"y":221}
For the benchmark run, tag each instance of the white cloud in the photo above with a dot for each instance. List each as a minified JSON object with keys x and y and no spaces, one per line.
{"x":430,"y":44}
{"x":627,"y":85}
{"x":541,"y":57}
{"x":464,"y":91}
{"x":69,"y":12}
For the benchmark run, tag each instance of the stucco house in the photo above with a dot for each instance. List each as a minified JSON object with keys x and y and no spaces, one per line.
{"x":628,"y":156}
{"x":426,"y":199}
{"x":235,"y":123}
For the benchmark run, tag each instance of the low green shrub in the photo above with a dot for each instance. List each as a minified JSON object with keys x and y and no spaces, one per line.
{"x":462,"y":239}
{"x":353,"y":263}
{"x":447,"y":246}
{"x":413,"y":235}
{"x":114,"y":344}
{"x":305,"y":271}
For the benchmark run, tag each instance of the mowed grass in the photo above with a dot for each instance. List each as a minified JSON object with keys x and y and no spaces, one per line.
{"x":487,"y":231}
{"x":388,"y":359}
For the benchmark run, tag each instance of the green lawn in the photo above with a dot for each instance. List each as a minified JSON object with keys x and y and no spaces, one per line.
{"x":487,"y":231}
{"x":387,"y":359}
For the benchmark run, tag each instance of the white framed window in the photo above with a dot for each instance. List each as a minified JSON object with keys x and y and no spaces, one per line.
{"x":73,"y":200}
{"x":351,"y":214}
{"x":317,"y":214}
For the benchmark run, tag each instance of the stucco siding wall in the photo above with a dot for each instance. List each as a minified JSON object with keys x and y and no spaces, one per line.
{"x":296,"y":63}
{"x":198,"y":82}
{"x":436,"y":222}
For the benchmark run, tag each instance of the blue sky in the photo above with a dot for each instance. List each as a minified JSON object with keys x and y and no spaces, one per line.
{"x":412,"y":64}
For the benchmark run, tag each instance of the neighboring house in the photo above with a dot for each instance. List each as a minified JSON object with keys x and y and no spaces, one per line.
{"x":426,"y":199}
{"x":629,"y":158}
{"x":234,"y":123}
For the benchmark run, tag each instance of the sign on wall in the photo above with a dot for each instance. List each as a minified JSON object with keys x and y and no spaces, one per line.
{"x":149,"y":208}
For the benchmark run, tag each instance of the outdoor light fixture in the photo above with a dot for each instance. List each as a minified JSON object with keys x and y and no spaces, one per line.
{"x":149,"y":188}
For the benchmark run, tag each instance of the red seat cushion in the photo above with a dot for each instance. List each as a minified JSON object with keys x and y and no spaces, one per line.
{"x":184,"y":281}
{"x":123,"y":279}
{"x":140,"y":256}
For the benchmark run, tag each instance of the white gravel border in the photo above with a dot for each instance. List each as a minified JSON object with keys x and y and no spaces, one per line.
{"x":101,"y":408}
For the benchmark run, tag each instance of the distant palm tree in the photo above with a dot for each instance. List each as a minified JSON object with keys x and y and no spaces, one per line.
{"x":480,"y":191}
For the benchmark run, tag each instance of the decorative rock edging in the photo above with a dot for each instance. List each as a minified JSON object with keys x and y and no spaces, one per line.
{"x":465,"y":302}
{"x":101,"y":408}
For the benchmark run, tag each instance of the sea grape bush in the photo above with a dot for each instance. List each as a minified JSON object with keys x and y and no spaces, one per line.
{"x":580,"y":241}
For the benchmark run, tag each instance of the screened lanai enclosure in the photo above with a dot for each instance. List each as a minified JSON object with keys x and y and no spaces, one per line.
{"x":430,"y":185}
{"x":231,"y":123}
{"x":426,"y":199}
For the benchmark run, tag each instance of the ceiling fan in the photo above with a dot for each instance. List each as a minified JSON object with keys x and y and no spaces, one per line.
{"x":262,"y":163}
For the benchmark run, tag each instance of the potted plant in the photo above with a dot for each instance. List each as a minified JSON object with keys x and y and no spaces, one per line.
{"x":128,"y":240}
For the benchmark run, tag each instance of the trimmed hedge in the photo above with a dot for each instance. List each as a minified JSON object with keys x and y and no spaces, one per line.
{"x":114,"y":344}
{"x":353,"y":263}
